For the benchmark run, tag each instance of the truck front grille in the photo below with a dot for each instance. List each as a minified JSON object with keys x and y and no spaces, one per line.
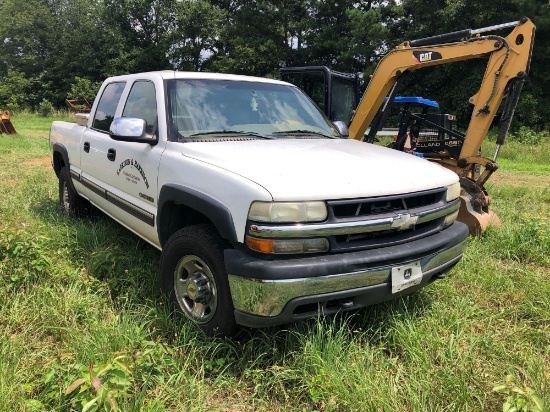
{"x":372,"y":208}
{"x":377,"y":206}
{"x":358,"y":224}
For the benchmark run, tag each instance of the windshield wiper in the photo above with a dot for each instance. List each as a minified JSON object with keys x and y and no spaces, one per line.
{"x":304,"y":132}
{"x":233,"y":132}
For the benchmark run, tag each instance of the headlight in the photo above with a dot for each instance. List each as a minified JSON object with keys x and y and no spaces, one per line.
{"x":453,"y":191}
{"x":288,"y":212}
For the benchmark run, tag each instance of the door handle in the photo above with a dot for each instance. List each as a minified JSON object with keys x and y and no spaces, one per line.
{"x":87,"y":147}
{"x":111,"y":155}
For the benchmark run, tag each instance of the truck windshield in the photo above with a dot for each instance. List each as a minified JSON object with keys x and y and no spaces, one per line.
{"x":217,"y":108}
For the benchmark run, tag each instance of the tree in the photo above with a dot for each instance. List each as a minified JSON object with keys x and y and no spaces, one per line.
{"x":252,"y":41}
{"x":198,"y":28}
{"x":144,"y":29}
{"x":345,"y":35}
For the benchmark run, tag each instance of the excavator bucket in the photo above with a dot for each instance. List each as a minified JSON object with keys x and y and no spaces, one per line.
{"x":5,"y":123}
{"x":477,"y":220}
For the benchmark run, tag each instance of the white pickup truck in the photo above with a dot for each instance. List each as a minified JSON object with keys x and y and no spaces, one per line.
{"x":264,"y":213}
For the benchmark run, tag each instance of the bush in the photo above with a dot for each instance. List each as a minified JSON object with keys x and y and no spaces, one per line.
{"x":45,"y":108}
{"x":84,"y":88}
{"x":17,"y":91}
{"x":529,"y":136}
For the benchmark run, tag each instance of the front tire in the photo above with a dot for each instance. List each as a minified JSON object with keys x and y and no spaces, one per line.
{"x":192,"y":275}
{"x":71,"y":203}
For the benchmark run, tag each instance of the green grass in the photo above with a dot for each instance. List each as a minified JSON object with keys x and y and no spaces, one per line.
{"x":80,"y":294}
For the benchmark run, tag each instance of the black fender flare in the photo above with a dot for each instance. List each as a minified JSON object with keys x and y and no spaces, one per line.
{"x":215,"y":211}
{"x":57,"y":147}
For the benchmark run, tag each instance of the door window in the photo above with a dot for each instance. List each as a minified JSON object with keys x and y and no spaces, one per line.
{"x":106,"y":108}
{"x":142,"y":104}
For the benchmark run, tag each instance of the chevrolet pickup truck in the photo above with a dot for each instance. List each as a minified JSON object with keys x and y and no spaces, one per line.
{"x":263,"y":211}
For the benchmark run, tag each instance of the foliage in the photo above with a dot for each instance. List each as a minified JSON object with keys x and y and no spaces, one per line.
{"x":57,"y":49}
{"x":520,"y":399}
{"x":196,"y":41}
{"x":18,"y":91}
{"x":45,"y":108}
{"x":105,"y":386}
{"x":84,"y":88}
{"x":529,"y":136}
{"x":528,"y":242}
{"x":24,"y":257}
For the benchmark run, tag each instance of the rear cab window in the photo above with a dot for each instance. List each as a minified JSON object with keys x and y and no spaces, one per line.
{"x":107,"y":106}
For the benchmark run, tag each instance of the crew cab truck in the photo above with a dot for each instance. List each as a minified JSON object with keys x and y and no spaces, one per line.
{"x":264,"y":213}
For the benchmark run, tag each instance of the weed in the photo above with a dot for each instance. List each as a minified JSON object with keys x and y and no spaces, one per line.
{"x":520,"y":399}
{"x":528,"y":241}
{"x":22,"y":256}
{"x":529,"y":136}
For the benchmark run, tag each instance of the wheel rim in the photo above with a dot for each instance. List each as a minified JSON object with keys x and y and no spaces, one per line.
{"x":65,"y":198}
{"x":195,"y":289}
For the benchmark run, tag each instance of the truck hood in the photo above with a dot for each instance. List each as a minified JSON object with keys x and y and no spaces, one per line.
{"x":322,"y":169}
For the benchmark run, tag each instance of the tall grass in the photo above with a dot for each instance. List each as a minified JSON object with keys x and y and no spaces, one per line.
{"x":80,"y":304}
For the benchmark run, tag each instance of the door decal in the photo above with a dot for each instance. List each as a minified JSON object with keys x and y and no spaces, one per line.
{"x":131,"y":177}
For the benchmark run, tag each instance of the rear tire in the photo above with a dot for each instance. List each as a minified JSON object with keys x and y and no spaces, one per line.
{"x":71,"y":203}
{"x":192,"y":275}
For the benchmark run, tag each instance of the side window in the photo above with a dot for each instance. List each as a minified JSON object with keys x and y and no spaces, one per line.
{"x":106,"y":108}
{"x":142,"y":104}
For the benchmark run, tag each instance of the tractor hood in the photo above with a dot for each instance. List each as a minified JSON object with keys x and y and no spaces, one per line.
{"x":322,"y":169}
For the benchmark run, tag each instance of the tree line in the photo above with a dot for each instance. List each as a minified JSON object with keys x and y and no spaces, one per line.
{"x":54,"y":49}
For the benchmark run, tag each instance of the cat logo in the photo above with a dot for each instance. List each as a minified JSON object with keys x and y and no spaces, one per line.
{"x":425,"y":56}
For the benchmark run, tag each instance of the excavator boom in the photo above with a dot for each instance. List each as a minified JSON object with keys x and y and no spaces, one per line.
{"x":508,"y":63}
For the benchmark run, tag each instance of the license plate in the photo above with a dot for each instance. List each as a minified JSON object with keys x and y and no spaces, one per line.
{"x":403,"y":277}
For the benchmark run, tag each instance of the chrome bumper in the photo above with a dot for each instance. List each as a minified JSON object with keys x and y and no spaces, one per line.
{"x":268,"y":298}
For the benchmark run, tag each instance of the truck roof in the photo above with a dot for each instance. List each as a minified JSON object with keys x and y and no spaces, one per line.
{"x":171,"y":74}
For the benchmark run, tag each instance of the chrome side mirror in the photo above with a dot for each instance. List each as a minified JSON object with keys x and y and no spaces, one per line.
{"x":124,"y":128}
{"x":342,"y":128}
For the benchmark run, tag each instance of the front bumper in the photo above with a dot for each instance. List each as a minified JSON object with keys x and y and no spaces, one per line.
{"x":271,"y":292}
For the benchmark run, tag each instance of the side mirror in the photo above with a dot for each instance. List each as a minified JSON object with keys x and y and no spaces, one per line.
{"x":342,"y":128}
{"x":129,"y":129}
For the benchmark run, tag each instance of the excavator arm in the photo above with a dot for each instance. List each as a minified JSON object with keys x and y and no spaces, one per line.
{"x":508,"y":63}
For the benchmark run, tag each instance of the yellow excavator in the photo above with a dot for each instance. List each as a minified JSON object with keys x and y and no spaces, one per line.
{"x":508,"y":64}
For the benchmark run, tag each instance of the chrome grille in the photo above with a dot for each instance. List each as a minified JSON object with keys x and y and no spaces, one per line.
{"x":372,"y":208}
{"x":387,"y":204}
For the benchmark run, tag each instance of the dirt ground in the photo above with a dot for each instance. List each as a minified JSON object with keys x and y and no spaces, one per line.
{"x":43,"y":162}
{"x":519,"y":180}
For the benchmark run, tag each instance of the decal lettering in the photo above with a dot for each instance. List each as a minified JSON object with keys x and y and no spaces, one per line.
{"x":426,"y":56}
{"x":146,"y":197}
{"x":129,"y":175}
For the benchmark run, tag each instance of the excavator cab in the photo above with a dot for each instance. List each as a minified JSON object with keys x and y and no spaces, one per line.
{"x":337,"y":94}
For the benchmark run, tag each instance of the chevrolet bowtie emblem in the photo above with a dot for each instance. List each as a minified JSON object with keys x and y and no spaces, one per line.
{"x":404,"y":221}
